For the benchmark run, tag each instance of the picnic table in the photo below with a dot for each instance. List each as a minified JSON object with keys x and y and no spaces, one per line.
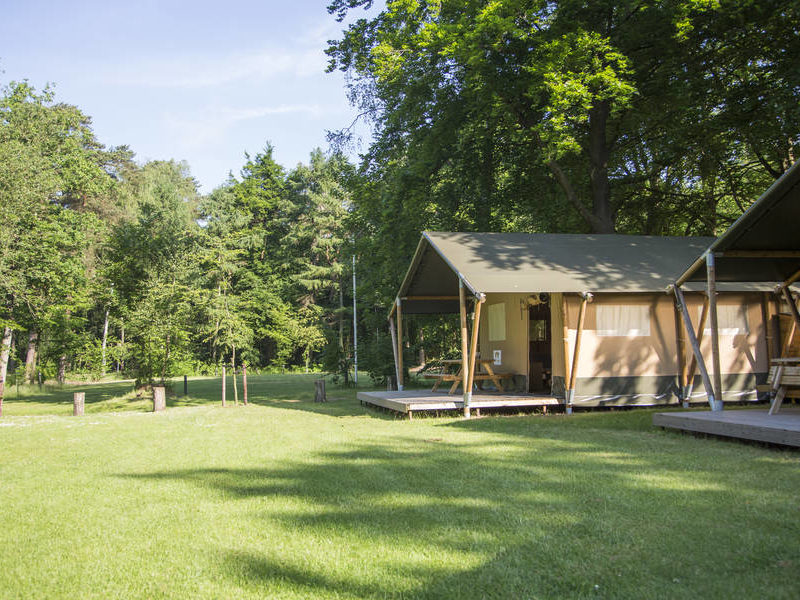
{"x":451,"y":370}
{"x":784,"y":379}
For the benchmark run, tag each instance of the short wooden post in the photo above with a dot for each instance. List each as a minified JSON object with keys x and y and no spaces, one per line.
{"x":319,"y":391}
{"x":223,"y":386}
{"x":244,"y":382}
{"x":159,"y":398}
{"x":78,"y":399}
{"x":185,"y":385}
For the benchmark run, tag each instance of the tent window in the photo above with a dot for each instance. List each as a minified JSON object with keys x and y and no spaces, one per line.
{"x":623,"y":320}
{"x":497,"y":322}
{"x":731,"y":319}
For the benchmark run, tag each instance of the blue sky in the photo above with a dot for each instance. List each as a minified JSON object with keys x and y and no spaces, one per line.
{"x":191,"y":80}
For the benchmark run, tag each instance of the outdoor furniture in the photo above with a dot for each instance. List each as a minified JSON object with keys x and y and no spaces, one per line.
{"x":784,"y":379}
{"x":451,"y":371}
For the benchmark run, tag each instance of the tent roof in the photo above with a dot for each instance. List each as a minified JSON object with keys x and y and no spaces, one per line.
{"x":763,"y":245}
{"x":540,"y":262}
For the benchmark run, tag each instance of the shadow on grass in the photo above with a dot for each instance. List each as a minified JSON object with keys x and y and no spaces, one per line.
{"x":498,"y":516}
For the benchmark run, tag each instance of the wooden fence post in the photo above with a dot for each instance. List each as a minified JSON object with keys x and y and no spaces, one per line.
{"x":319,"y":391}
{"x":78,"y":399}
{"x":244,"y":382}
{"x":159,"y":398}
{"x":223,"y":386}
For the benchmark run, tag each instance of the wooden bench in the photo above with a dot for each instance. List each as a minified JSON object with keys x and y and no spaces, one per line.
{"x":784,"y":382}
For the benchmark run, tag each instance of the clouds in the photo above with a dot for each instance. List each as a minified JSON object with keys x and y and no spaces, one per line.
{"x":207,"y":70}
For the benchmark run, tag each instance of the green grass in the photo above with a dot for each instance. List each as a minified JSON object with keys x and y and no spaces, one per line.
{"x":291,"y":499}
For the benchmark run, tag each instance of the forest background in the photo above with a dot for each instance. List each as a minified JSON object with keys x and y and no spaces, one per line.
{"x":642,"y":117}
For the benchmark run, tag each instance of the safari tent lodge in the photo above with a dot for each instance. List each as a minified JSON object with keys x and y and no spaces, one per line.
{"x":574,"y":320}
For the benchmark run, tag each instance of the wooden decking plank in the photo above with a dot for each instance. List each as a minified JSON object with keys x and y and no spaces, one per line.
{"x":420,"y":400}
{"x":753,"y":424}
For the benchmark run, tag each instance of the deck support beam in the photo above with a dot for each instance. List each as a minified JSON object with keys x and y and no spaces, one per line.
{"x":687,"y":320}
{"x":462,"y":304}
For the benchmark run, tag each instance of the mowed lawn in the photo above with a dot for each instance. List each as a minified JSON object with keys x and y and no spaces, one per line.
{"x":291,"y":499}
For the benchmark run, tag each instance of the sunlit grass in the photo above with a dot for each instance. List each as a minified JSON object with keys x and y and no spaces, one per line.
{"x":291,"y":499}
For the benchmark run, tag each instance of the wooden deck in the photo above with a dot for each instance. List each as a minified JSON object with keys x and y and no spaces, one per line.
{"x":747,"y":424}
{"x":411,"y":401}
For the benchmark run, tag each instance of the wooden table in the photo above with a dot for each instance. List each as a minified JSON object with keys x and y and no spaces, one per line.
{"x":785,"y":373}
{"x":450,"y":373}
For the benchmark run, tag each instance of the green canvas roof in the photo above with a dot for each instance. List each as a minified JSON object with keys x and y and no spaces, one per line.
{"x":764,"y":244}
{"x":540,"y":262}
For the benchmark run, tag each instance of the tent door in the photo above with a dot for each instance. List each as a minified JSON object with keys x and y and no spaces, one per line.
{"x":540,"y":356}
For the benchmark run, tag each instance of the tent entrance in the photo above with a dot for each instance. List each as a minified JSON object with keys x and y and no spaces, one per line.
{"x":540,"y":354}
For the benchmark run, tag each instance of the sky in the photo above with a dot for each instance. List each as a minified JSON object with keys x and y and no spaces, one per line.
{"x":198,"y":81}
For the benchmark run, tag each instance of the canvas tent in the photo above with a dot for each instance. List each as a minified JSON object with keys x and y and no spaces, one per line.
{"x":763,"y":245}
{"x":567,"y":311}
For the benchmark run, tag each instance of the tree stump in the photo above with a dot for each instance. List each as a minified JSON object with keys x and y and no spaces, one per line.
{"x":78,"y":399}
{"x":319,"y":391}
{"x":159,"y":398}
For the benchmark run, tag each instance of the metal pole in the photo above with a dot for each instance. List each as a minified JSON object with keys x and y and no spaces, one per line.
{"x":355,"y":327}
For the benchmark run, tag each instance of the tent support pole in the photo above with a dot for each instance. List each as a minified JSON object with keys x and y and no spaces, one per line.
{"x":462,"y":302}
{"x":585,"y":298}
{"x":394,"y":349}
{"x":792,"y":306}
{"x":765,"y":319}
{"x":476,"y":324}
{"x":399,"y":346}
{"x":680,"y":343}
{"x":711,"y":279}
{"x":687,"y":320}
{"x":701,"y":329}
{"x":567,"y":391}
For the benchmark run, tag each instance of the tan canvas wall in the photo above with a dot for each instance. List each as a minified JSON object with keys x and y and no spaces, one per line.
{"x":557,"y":334}
{"x":514,"y":348}
{"x":655,"y":354}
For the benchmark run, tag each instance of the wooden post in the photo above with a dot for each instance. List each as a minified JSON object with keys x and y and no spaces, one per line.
{"x":711,"y":278}
{"x":765,"y":319}
{"x":476,"y":323}
{"x":244,"y":382}
{"x":462,"y":304}
{"x":394,"y":350}
{"x":185,"y":385}
{"x":576,"y":355}
{"x":687,"y":320}
{"x":319,"y":391}
{"x":399,"y":346}
{"x":564,"y":318}
{"x":159,"y":398}
{"x":223,"y":386}
{"x":78,"y":399}
{"x":680,"y":345}
{"x":701,"y":329}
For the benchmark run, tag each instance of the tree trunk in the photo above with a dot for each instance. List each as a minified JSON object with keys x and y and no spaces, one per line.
{"x":5,"y":351}
{"x":233,"y":373}
{"x":603,"y":217}
{"x":62,"y":369}
{"x":105,"y":341}
{"x":341,"y":317}
{"x":166,"y":360}
{"x":30,"y":356}
{"x":121,"y":363}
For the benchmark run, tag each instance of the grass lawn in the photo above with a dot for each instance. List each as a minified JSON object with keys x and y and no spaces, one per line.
{"x":291,"y":499}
